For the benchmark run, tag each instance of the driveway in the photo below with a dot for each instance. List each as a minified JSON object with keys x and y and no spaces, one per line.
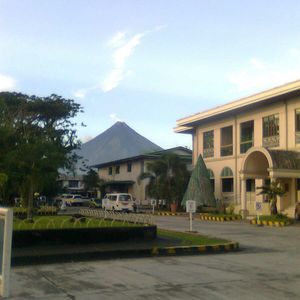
{"x":267,"y":267}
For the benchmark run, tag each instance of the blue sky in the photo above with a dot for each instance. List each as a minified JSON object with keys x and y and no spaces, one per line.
{"x":147,"y":63}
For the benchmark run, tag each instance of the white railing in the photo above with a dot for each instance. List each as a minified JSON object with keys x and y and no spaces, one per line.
{"x":117,"y":216}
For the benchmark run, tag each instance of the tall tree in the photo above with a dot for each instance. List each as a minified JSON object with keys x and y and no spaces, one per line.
{"x":272,"y":191}
{"x":92,"y":181}
{"x":39,"y":138}
{"x":168,"y":177}
{"x":199,"y":188}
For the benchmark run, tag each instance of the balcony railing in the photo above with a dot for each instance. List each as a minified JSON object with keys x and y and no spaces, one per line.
{"x":226,"y":150}
{"x":271,"y":141}
{"x":208,"y":152}
{"x":298,"y":137}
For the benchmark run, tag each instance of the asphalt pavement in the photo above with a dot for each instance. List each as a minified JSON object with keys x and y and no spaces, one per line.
{"x":267,"y":267}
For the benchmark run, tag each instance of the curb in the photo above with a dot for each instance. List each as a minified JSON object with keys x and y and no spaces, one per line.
{"x":125,"y":253}
{"x":219,"y":219}
{"x":169,"y":214}
{"x":270,"y":223}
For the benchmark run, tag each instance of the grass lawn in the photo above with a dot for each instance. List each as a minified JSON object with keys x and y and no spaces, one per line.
{"x":64,"y":222}
{"x":188,"y":239}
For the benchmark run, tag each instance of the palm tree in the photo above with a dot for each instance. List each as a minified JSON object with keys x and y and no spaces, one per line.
{"x":272,"y":191}
{"x":168,"y":177}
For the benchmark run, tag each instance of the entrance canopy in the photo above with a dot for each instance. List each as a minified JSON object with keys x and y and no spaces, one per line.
{"x":264,"y":163}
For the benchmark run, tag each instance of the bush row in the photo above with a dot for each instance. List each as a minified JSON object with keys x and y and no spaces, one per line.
{"x":42,"y":211}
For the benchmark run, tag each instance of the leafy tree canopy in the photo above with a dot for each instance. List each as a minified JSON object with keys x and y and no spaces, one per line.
{"x":37,"y":137}
{"x":168,"y":177}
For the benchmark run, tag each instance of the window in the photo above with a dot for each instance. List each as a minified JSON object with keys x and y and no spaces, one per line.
{"x":227,"y":180}
{"x":129,"y":167}
{"x":271,"y":131}
{"x":297,"y":126}
{"x":247,"y":129}
{"x":73,"y":183}
{"x":226,"y":141}
{"x":250,"y":185}
{"x":117,"y":169}
{"x":212,"y":179}
{"x":208,"y":144}
{"x":110,"y":171}
{"x":298,"y":184}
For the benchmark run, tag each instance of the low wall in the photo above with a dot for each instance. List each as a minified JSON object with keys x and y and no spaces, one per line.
{"x":23,"y":238}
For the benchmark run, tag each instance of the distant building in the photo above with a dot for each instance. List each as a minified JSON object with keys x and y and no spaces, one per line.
{"x":120,"y":155}
{"x":123,"y":175}
{"x":72,"y":184}
{"x":248,"y":143}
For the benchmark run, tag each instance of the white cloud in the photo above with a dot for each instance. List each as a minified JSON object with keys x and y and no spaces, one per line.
{"x":79,"y":93}
{"x":117,"y":40}
{"x":7,"y":83}
{"x":86,"y":138}
{"x":256,"y":63}
{"x":115,"y":117}
{"x":258,"y":75}
{"x":119,"y":56}
{"x":123,"y":47}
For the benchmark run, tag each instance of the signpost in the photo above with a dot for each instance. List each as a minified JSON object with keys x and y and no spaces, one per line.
{"x":191,"y":208}
{"x":6,"y":223}
{"x":258,"y":208}
{"x":153,"y":203}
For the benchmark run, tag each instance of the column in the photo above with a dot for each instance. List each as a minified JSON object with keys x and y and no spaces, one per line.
{"x":244,"y":211}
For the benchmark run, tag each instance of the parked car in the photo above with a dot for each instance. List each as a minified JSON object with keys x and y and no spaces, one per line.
{"x":77,"y":200}
{"x":118,"y":202}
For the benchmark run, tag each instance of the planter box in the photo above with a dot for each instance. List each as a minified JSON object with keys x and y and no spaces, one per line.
{"x":23,"y":238}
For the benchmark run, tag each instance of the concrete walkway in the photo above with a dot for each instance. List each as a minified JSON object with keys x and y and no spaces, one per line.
{"x":268,"y":267}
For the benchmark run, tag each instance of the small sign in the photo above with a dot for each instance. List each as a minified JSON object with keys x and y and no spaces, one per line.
{"x":191,"y":206}
{"x":153,"y":202}
{"x":258,"y":206}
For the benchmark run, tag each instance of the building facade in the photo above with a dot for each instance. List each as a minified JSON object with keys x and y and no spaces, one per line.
{"x":123,"y":175}
{"x":248,"y":143}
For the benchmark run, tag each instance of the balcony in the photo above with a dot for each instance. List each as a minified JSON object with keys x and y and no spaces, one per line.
{"x":226,"y":150}
{"x":208,"y":152}
{"x":271,"y":141}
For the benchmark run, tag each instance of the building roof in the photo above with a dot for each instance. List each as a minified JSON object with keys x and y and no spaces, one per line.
{"x":185,"y":125}
{"x":116,"y":143}
{"x":183,"y":152}
{"x":283,"y":159}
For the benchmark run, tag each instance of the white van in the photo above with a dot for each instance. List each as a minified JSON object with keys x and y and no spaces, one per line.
{"x":118,"y":202}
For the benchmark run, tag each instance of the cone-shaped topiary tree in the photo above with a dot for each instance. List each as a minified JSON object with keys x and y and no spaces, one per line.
{"x":199,"y":188}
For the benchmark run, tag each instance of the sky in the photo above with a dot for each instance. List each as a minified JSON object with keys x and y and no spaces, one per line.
{"x":147,"y":63}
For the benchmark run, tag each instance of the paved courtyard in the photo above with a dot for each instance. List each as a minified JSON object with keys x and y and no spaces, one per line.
{"x":267,"y":267}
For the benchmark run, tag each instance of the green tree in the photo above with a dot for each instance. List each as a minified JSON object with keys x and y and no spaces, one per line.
{"x":92,"y":181}
{"x":168,"y":177}
{"x":199,"y":187}
{"x":272,"y":191}
{"x":38,"y":139}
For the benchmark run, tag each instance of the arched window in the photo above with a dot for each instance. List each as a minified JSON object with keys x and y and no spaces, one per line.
{"x":212,"y":179}
{"x":227,"y":180}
